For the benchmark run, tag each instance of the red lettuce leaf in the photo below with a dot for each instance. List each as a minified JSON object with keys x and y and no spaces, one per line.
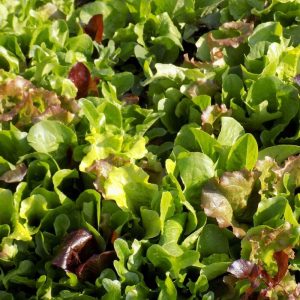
{"x":244,"y":269}
{"x":80,"y":76}
{"x":82,"y":79}
{"x":94,"y":28}
{"x":79,"y":254}
{"x":77,"y":248}
{"x":22,"y":103}
{"x":282,"y":259}
{"x":93,"y":266}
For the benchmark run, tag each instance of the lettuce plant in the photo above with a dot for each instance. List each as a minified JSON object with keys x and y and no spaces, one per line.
{"x":149,"y":149}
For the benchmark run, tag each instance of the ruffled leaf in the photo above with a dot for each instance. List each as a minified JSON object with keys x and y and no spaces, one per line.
{"x":74,"y":251}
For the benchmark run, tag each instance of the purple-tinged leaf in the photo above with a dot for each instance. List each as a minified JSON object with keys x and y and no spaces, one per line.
{"x":244,"y":269}
{"x":92,"y":268}
{"x":241,"y":268}
{"x":297,"y":79}
{"x":227,"y":198}
{"x":22,"y":103}
{"x":215,"y":204}
{"x":16,"y":175}
{"x":76,"y":248}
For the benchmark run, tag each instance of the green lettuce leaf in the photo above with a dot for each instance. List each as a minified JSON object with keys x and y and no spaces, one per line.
{"x":129,"y":187}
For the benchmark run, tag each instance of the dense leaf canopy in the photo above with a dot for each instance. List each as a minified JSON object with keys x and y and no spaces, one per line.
{"x":149,"y":149}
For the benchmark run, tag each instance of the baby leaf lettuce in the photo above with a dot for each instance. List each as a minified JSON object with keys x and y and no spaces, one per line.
{"x":149,"y":149}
